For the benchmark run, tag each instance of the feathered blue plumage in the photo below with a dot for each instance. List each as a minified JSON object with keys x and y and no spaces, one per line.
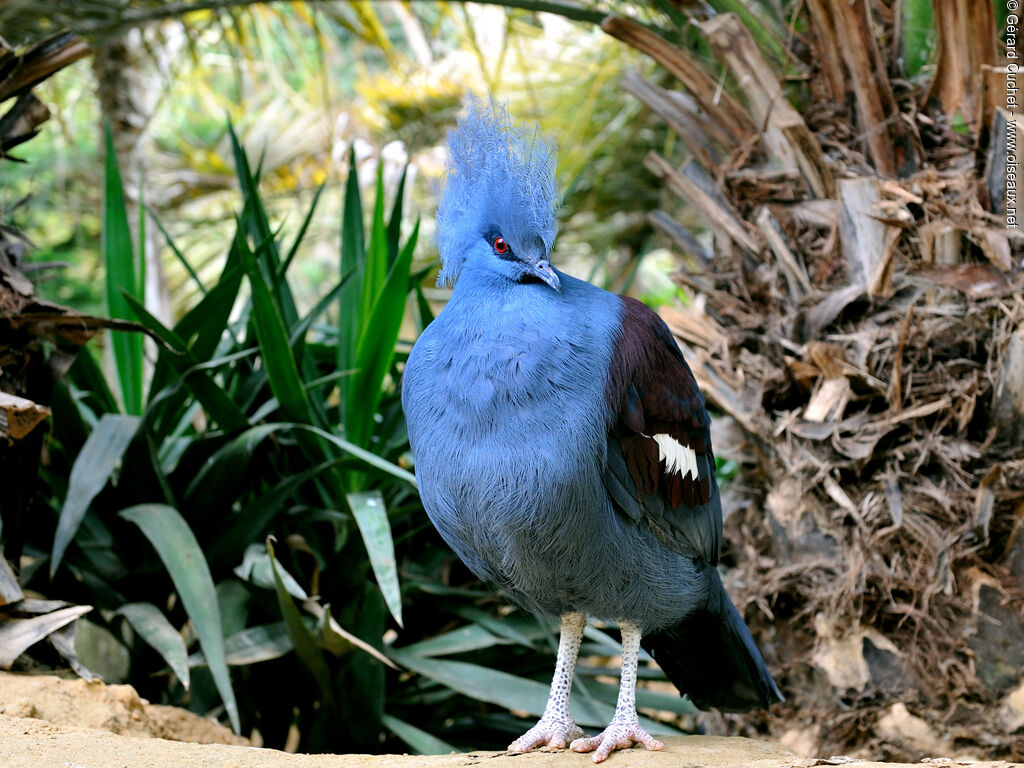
{"x":562,"y":446}
{"x":495,"y":166}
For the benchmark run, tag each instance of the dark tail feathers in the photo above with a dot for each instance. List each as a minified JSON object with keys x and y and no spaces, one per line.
{"x":711,"y":657}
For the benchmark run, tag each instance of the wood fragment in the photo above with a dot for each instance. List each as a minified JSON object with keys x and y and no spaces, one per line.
{"x":10,"y":590}
{"x":824,"y":312}
{"x":694,"y":326}
{"x":41,"y":60}
{"x":941,"y":242}
{"x":908,"y":414}
{"x":995,"y":244}
{"x":828,"y":403}
{"x":785,"y":134}
{"x":719,"y":134}
{"x":868,"y":244}
{"x":896,"y":385}
{"x":984,"y":501}
{"x":717,"y":213}
{"x":796,"y":276}
{"x":18,"y":635}
{"x":720,"y":106}
{"x":894,"y":499}
{"x":967,"y":44}
{"x":979,"y":281}
{"x":995,"y":164}
{"x":845,"y":26}
{"x":687,"y":126}
{"x":840,"y":497}
{"x":816,"y":213}
{"x":19,"y":416}
{"x":1008,"y":397}
{"x":681,"y":236}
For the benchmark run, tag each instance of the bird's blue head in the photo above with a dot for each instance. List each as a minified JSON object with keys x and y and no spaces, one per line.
{"x":498,"y":202}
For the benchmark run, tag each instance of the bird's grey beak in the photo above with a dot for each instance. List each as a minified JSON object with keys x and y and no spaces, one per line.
{"x":544,"y":271}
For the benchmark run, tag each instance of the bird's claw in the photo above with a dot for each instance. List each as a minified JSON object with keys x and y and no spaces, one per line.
{"x":551,"y":732}
{"x":618,"y":735}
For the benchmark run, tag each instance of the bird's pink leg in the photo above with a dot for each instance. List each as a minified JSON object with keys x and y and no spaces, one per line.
{"x":556,"y":727}
{"x":624,"y":730}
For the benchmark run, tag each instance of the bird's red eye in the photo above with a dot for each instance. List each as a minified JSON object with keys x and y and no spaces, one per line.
{"x":500,"y":246}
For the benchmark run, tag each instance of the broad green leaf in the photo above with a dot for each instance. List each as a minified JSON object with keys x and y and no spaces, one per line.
{"x":302,"y":639}
{"x":505,"y":627}
{"x":218,"y":404}
{"x":138,"y":290}
{"x":668,"y":702}
{"x":179,"y":551}
{"x":206,"y":324}
{"x":87,"y":376}
{"x":256,"y":568}
{"x":352,"y":261}
{"x":302,"y":327}
{"x":155,"y":629}
{"x":177,"y":251}
{"x":919,"y":34}
{"x":299,"y":235}
{"x":375,"y":270}
{"x":516,"y":693}
{"x":338,"y":640}
{"x":254,"y":221}
{"x":119,"y":260}
{"x":498,"y":687}
{"x":361,"y":453}
{"x":426,"y":314}
{"x":230,"y":461}
{"x":202,"y":328}
{"x":234,"y":601}
{"x":282,"y":371}
{"x":472,"y":637}
{"x":251,"y":646}
{"x":249,"y":524}
{"x":89,"y":474}
{"x":372,"y":518}
{"x":421,"y":742}
{"x":376,"y":346}
{"x":395,"y":222}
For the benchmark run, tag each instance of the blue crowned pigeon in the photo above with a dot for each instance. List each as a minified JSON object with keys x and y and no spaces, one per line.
{"x":562,"y":446}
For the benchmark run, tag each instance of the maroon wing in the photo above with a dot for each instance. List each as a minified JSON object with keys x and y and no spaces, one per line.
{"x":655,"y":398}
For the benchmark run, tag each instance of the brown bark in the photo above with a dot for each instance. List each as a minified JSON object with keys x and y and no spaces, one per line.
{"x":844,"y":26}
{"x":967,"y":46}
{"x":720,"y":106}
{"x":716,"y":212}
{"x":695,"y":133}
{"x":786,"y":136}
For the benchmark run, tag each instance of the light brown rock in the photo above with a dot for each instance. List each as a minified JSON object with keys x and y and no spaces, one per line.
{"x":115,"y":708}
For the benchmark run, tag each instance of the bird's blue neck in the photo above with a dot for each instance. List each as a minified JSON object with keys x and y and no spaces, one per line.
{"x":492,"y":298}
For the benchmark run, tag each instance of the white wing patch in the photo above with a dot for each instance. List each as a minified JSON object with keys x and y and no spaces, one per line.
{"x":677,"y":457}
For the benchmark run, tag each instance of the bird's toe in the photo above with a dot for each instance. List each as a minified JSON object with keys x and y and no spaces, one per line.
{"x":622,"y":735}
{"x":551,"y":733}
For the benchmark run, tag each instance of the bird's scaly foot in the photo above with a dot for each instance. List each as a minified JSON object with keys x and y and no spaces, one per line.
{"x":620,"y":734}
{"x":552,"y":732}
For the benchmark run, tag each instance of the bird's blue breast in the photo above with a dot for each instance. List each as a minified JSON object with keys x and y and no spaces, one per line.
{"x":504,"y":395}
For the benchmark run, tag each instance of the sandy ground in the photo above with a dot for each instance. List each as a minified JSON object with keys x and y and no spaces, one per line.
{"x":48,"y":722}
